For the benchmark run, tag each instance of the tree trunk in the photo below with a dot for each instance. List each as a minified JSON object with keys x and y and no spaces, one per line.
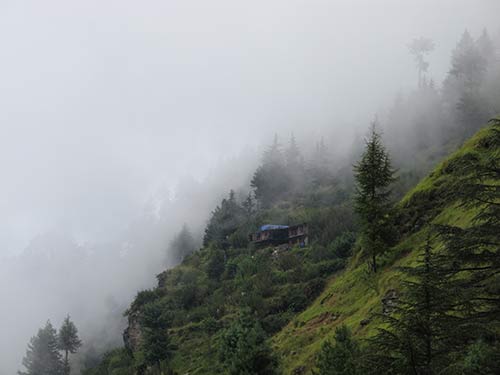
{"x":66,"y":364}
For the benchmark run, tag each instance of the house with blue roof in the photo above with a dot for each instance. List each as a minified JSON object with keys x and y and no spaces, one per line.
{"x":273,"y":235}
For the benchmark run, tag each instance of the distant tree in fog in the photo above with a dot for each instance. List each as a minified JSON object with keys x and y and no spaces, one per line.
{"x":224,"y":221}
{"x":320,"y":164}
{"x":68,"y":341}
{"x":419,"y":48}
{"x":463,"y":87}
{"x":271,"y":180}
{"x":43,"y":356}
{"x":182,"y":245}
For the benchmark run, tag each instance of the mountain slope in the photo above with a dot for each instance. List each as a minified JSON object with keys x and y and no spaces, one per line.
{"x":353,"y":296}
{"x":300,"y":295}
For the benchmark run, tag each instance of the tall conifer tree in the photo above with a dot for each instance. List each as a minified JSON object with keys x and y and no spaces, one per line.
{"x":42,"y":356}
{"x":68,"y":341}
{"x":374,"y":175}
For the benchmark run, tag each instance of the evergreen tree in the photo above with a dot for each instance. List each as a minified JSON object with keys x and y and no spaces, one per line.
{"x":271,"y":180}
{"x":156,"y":345}
{"x":423,"y":329}
{"x":474,"y":249}
{"x":182,"y":245}
{"x":42,"y":356}
{"x":486,"y":48}
{"x":68,"y":341}
{"x":225,"y":220}
{"x":419,"y":48}
{"x":244,"y":350}
{"x":293,"y":157}
{"x":340,"y":358}
{"x":374,"y":175}
{"x":249,"y":205}
{"x":320,"y":164}
{"x":462,"y":86}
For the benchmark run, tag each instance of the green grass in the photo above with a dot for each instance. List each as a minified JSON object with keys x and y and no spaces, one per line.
{"x":355,"y":294}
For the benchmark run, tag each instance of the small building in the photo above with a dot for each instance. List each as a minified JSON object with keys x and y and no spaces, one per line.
{"x":273,"y":235}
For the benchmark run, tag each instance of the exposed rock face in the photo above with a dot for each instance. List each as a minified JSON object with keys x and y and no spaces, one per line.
{"x":132,"y":334}
{"x":389,"y":301}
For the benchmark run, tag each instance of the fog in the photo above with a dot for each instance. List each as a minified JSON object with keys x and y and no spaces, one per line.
{"x":120,"y":121}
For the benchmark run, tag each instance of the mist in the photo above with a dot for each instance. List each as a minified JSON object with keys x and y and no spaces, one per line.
{"x":122,"y":121}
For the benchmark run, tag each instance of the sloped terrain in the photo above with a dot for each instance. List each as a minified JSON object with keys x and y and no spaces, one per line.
{"x":354,"y":296}
{"x":300,"y":295}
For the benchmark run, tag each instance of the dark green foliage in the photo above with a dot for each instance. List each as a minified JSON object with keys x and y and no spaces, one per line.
{"x":115,"y":362}
{"x":340,"y":357}
{"x":271,"y":181}
{"x":225,"y":220}
{"x":327,"y":224}
{"x":425,"y":325}
{"x":374,"y":175}
{"x":480,"y":358}
{"x":244,"y":350}
{"x":464,"y":87}
{"x":156,"y":345}
{"x":216,"y":263}
{"x":68,"y":341}
{"x":42,"y":356}
{"x":473,"y":251}
{"x":343,"y":244}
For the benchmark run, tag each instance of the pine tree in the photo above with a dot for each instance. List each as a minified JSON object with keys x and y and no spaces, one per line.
{"x":374,"y":175}
{"x":225,"y":220}
{"x":320,"y":164}
{"x":182,"y":245}
{"x":68,"y":341}
{"x":474,"y":249}
{"x":244,"y":350}
{"x":42,"y":356}
{"x":419,"y":48}
{"x":425,"y":325}
{"x":341,"y":357}
{"x":156,"y":345}
{"x":292,"y":154}
{"x":462,"y":86}
{"x":271,"y":180}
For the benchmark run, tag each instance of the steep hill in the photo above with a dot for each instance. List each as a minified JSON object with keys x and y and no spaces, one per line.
{"x":353,"y":296}
{"x":300,"y":295}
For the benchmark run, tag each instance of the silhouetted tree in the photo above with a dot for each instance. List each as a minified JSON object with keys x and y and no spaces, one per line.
{"x":419,"y":48}
{"x":271,"y":180}
{"x":225,"y":220}
{"x":182,"y":245}
{"x":462,"y":86}
{"x":68,"y":341}
{"x":42,"y":356}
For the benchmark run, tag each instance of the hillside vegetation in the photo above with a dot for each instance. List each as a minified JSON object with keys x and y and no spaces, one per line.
{"x":355,"y":297}
{"x":298,"y":296}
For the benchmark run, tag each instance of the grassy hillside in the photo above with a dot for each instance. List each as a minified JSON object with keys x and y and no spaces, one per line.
{"x":300,"y":295}
{"x":353,"y":296}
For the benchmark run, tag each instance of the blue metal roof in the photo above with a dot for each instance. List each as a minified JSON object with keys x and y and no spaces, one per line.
{"x":272,"y":226}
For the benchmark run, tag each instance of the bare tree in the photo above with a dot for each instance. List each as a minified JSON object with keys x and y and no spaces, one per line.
{"x":419,"y":48}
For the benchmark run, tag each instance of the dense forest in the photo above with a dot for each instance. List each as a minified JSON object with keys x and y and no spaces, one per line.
{"x":400,"y":274}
